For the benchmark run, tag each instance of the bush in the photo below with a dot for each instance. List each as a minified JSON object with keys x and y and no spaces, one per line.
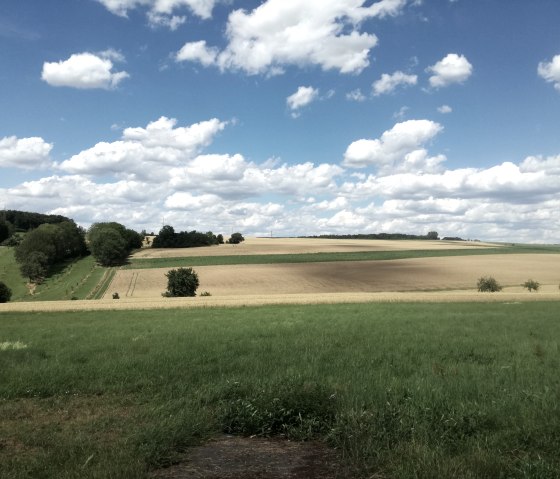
{"x":5,"y":293}
{"x":236,"y":238}
{"x":487,"y":284}
{"x":181,"y":282}
{"x":531,"y":285}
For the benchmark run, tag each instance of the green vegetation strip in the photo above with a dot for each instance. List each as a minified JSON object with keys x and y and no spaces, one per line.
{"x":147,"y":263}
{"x":401,"y":390}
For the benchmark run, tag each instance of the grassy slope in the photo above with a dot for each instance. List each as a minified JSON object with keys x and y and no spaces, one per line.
{"x":403,"y":390}
{"x":10,"y":275}
{"x":328,"y":257}
{"x":73,"y":279}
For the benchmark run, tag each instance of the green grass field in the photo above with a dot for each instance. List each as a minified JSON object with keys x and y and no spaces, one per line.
{"x":401,"y":390}
{"x":141,"y":263}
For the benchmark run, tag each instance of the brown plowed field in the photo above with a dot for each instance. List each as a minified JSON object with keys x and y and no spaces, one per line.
{"x":307,"y":245}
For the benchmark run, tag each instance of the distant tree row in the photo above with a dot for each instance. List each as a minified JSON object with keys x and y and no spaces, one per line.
{"x":168,"y":238}
{"x":26,"y":220}
{"x":432,"y":235}
{"x":48,"y":244}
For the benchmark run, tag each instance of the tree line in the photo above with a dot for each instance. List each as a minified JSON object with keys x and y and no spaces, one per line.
{"x":14,"y":220}
{"x":432,"y":235}
{"x":168,"y":238}
{"x":48,"y":245}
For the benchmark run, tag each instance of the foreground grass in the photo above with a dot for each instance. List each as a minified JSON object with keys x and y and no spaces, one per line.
{"x":141,"y":263}
{"x":402,"y":390}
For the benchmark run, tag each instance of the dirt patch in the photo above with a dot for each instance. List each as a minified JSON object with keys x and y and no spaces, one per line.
{"x":231,"y":457}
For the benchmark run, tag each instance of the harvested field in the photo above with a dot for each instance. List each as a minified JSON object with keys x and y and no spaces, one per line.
{"x":417,"y":274}
{"x":262,"y":246}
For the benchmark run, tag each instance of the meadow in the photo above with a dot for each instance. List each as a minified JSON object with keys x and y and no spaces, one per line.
{"x":398,"y":390}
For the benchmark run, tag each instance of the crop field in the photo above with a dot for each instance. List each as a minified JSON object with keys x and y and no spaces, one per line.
{"x":416,"y":274}
{"x":273,"y":246}
{"x":394,"y":390}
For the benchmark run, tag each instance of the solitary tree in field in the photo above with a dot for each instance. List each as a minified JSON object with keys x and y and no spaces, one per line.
{"x":487,"y":284}
{"x":181,"y":282}
{"x":236,"y":238}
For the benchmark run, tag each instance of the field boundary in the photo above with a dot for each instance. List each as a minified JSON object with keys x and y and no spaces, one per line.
{"x":280,"y":299}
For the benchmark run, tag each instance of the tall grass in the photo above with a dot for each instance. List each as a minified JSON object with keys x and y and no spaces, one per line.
{"x":402,"y":390}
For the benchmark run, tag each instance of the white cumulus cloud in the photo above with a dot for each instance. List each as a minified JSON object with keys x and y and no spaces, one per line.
{"x":161,"y":13}
{"x":281,"y":33}
{"x":388,"y":152}
{"x":302,"y":97}
{"x":388,"y":83}
{"x":85,"y":71}
{"x":550,"y":71}
{"x":143,"y":151}
{"x":25,"y":153}
{"x":453,"y":68}
{"x":197,"y":52}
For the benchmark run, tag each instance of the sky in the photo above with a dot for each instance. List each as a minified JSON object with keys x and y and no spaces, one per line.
{"x":285,"y":117}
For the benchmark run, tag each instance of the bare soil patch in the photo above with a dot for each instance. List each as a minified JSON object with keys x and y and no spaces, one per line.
{"x":232,"y":457}
{"x":260,"y":246}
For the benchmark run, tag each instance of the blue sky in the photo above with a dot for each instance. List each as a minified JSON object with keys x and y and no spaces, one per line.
{"x":291,"y":116}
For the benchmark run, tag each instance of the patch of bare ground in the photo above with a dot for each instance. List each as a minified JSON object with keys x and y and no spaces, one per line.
{"x":232,"y":457}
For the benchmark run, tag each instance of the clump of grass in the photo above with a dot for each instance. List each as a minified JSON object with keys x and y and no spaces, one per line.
{"x":296,"y":410}
{"x":531,"y":285}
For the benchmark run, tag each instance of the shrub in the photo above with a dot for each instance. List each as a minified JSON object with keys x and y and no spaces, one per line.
{"x":236,"y":238}
{"x":5,"y":293}
{"x":531,"y":285}
{"x":487,"y":284}
{"x":181,"y":282}
{"x":116,"y":296}
{"x":205,"y":293}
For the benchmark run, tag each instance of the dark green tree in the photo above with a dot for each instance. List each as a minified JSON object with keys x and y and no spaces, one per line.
{"x":5,"y":293}
{"x":165,"y":238}
{"x":42,"y":239}
{"x":35,"y":266}
{"x":220,"y":239}
{"x":487,"y":284}
{"x":181,"y":282}
{"x":108,"y":247}
{"x":236,"y":238}
{"x":5,"y":231}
